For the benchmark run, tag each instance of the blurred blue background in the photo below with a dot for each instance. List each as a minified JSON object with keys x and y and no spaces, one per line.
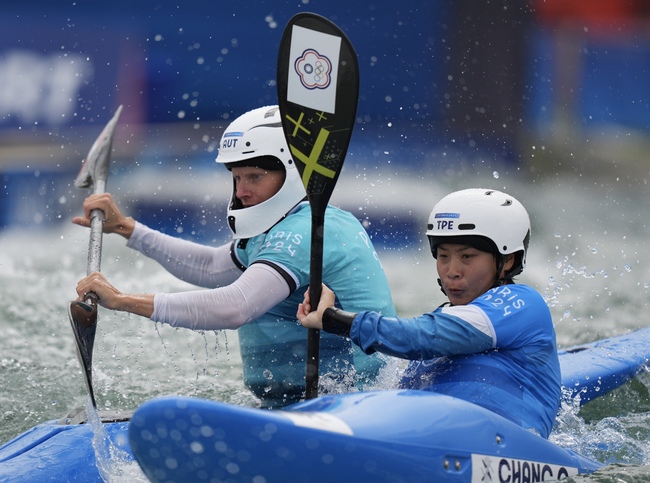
{"x":446,"y":86}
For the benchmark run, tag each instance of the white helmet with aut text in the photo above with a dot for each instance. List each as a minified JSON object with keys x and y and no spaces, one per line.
{"x":486,"y":219}
{"x":256,"y":139}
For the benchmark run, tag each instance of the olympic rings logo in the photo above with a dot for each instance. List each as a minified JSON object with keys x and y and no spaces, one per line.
{"x":314,"y":70}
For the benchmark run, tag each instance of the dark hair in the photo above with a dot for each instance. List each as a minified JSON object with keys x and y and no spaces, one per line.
{"x":479,"y":242}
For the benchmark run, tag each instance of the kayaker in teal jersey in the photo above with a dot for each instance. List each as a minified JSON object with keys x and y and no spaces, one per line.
{"x":494,"y":343}
{"x":255,"y":283}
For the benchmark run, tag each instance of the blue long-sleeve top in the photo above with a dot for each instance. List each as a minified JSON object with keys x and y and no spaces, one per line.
{"x":499,"y":352}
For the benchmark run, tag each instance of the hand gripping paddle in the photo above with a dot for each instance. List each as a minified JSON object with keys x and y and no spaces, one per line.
{"x":318,"y":90}
{"x":83,"y":315}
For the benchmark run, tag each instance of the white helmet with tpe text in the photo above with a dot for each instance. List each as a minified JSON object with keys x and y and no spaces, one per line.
{"x":486,"y":219}
{"x":256,"y":139}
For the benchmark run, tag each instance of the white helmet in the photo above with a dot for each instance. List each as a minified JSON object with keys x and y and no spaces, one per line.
{"x":257,"y":139}
{"x":486,"y":219}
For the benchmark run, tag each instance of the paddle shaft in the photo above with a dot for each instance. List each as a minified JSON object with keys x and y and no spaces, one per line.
{"x":96,"y":233}
{"x":95,"y":241}
{"x":315,"y":290}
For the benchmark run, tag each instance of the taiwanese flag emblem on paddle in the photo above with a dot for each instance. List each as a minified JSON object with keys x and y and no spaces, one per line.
{"x":315,"y":71}
{"x":313,"y":83}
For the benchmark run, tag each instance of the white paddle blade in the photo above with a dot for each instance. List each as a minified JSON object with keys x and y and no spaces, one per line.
{"x":95,"y":166}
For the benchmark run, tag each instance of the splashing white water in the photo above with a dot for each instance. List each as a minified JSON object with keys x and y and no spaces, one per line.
{"x":115,"y":465}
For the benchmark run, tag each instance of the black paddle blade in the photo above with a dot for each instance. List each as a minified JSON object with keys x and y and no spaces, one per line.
{"x":83,"y":319}
{"x":318,"y":90}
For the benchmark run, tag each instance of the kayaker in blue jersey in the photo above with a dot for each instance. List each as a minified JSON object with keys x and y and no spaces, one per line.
{"x":255,"y":283}
{"x":494,"y":343}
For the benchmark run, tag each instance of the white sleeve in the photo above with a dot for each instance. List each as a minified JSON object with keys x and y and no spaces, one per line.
{"x":475,"y":317}
{"x":191,"y":262}
{"x":255,"y":292}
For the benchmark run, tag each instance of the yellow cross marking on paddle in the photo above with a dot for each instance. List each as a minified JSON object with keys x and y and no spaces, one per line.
{"x":311,"y":161}
{"x":298,"y":124}
{"x":321,"y":116}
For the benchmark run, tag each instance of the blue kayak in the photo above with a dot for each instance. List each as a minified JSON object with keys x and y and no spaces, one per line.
{"x":408,"y":436}
{"x":62,"y":450}
{"x":393,"y":435}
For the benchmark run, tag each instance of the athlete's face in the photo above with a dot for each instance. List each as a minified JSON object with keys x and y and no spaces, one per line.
{"x":256,"y":185}
{"x":466,"y":272}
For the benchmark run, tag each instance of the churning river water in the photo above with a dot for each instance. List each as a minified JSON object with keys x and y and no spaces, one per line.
{"x":589,"y":257}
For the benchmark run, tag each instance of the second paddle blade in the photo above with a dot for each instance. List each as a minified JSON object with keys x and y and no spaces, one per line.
{"x":83,"y":319}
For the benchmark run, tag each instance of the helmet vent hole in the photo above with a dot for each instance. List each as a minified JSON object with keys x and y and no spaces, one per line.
{"x":466,"y":226}
{"x":248,"y":143}
{"x":430,"y":226}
